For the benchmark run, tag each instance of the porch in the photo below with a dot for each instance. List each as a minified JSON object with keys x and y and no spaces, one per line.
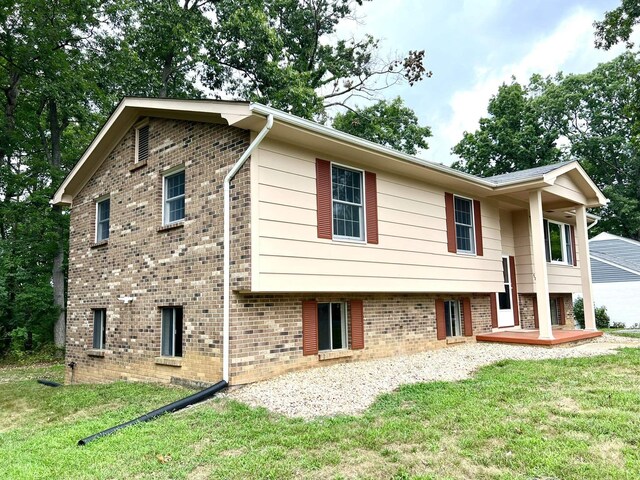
{"x":532,"y":337}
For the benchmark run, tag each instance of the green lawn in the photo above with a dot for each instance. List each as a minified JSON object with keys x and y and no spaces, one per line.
{"x":567,"y":419}
{"x":620,"y":332}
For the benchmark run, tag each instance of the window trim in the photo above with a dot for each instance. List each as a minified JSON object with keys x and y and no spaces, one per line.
{"x":363,"y":216}
{"x":103,"y":331}
{"x":474,"y":248}
{"x":344,"y":322}
{"x":173,"y":334}
{"x":563,"y":243}
{"x":97,"y":222}
{"x":138,"y":126}
{"x":165,"y":176}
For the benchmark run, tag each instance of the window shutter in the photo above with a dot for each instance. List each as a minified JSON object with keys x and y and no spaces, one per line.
{"x":451,"y":224}
{"x":468,"y":324}
{"x":441,"y":327}
{"x":323,"y":198}
{"x":514,"y":290}
{"x":477,"y":217}
{"x":143,"y":144}
{"x":573,"y":245}
{"x":562,"y":319}
{"x":545,"y":227}
{"x":536,"y":322}
{"x":356,"y":322}
{"x":494,"y":310}
{"x":371,"y":206}
{"x":309,"y":327}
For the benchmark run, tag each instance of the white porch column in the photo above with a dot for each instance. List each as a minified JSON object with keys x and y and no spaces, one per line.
{"x":582,"y":240}
{"x":540,"y":279}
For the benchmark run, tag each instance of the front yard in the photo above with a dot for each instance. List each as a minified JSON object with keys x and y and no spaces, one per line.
{"x":571,"y":419}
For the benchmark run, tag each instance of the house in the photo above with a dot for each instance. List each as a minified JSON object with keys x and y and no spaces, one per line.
{"x":218,"y":239}
{"x":615,"y":265}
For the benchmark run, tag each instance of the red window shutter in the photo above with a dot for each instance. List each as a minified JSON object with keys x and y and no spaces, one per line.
{"x":309,"y":327}
{"x":494,"y":310}
{"x":356,"y":322}
{"x":573,"y":245}
{"x":477,"y":217}
{"x":514,"y":290}
{"x":441,"y":327}
{"x":451,"y":224}
{"x":536,"y":322}
{"x":563,"y":319}
{"x":324,"y":198}
{"x":371,"y":206}
{"x":466,"y":312}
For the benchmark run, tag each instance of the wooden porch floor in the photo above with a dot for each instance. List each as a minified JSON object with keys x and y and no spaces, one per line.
{"x":530,"y":337}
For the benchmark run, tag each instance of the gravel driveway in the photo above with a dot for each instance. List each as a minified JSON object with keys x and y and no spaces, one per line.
{"x":350,"y":388}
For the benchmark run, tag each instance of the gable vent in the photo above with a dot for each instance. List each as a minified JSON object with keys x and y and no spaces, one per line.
{"x":142,"y":137}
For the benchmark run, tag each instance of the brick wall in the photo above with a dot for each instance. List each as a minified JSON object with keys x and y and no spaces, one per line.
{"x":526,"y":310}
{"x":160,"y":267}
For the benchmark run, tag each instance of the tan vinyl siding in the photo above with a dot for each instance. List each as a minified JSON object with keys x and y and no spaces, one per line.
{"x":506,"y":230}
{"x":412,"y":252}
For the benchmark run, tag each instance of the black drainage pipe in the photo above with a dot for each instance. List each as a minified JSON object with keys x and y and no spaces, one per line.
{"x":172,"y":407}
{"x":49,"y":383}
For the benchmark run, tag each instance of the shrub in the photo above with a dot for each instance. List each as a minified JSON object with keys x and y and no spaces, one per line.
{"x":602,"y":317}
{"x":617,"y":325}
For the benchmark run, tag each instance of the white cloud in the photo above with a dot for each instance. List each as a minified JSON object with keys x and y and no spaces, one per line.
{"x":569,"y":48}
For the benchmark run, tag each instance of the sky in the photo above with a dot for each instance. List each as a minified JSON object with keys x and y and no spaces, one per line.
{"x":473,"y":46}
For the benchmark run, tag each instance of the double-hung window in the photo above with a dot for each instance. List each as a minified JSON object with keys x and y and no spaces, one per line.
{"x":347,"y":195}
{"x":173,"y":205}
{"x":99,"y":328}
{"x":332,"y":326}
{"x":103,"y":212}
{"x":172,"y":332}
{"x":465,"y":237}
{"x":558,"y":242}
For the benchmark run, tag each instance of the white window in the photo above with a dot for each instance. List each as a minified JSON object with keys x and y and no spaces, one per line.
{"x":332,"y":326}
{"x":348,"y":198}
{"x":142,"y":143}
{"x":465,"y":238}
{"x":99,"y":328}
{"x":172,"y":332}
{"x":173,"y":205}
{"x":103,"y":212}
{"x":558,"y":242}
{"x":452,"y":318}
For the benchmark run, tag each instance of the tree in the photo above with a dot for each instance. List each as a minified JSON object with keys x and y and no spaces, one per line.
{"x":617,"y":25}
{"x":513,"y":137}
{"x":595,"y":116}
{"x":389,"y":123}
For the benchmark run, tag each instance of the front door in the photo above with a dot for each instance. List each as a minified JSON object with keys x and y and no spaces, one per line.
{"x":505,"y":306}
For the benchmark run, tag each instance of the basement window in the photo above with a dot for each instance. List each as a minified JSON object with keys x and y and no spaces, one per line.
{"x":332,"y":326}
{"x":452,"y":318}
{"x":172,"y":326}
{"x":99,"y":328}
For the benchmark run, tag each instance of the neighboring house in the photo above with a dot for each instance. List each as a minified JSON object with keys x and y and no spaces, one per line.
{"x":336,"y":248}
{"x":615,"y":264}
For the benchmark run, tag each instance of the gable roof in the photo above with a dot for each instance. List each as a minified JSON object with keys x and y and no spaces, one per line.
{"x":251,"y":116}
{"x":617,"y":251}
{"x":528,"y":174}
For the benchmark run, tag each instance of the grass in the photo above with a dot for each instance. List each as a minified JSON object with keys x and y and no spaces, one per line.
{"x":621,"y":333}
{"x":569,"y":419}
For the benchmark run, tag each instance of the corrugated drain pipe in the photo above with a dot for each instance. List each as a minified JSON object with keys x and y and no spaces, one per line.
{"x":226,"y":239}
{"x":172,"y":407}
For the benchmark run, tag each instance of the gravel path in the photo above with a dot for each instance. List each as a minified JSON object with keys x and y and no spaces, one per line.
{"x":350,"y":388}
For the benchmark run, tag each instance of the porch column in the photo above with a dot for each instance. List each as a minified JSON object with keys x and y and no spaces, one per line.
{"x":540,"y":279}
{"x":582,"y":241}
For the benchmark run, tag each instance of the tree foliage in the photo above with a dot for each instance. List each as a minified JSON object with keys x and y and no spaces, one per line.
{"x":617,"y":25}
{"x":590,"y":117}
{"x":64,"y":65}
{"x":389,"y":123}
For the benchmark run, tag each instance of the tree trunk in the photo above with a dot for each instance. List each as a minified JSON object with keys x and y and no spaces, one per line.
{"x":166,"y":75}
{"x":57,"y":274}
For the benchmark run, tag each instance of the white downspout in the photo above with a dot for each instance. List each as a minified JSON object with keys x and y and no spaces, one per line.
{"x":226,"y":241}
{"x":593,"y":224}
